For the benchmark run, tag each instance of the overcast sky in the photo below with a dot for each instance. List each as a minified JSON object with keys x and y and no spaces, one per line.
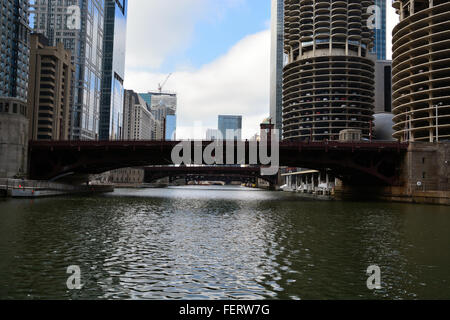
{"x":218,"y":52}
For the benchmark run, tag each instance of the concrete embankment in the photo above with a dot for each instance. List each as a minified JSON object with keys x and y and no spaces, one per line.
{"x":36,"y":189}
{"x":393,"y":194}
{"x":387,"y":194}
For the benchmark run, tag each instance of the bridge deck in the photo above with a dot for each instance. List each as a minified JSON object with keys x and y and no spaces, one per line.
{"x":152,"y":143}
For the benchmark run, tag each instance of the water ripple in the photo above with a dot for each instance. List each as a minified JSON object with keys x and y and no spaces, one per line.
{"x":191,"y":243}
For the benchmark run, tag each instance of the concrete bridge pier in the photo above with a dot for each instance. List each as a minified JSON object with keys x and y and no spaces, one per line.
{"x":424,"y":178}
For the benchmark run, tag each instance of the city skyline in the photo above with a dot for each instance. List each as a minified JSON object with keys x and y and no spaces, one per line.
{"x":256,"y":102}
{"x":83,"y":36}
{"x":352,"y":203}
{"x":233,"y":74}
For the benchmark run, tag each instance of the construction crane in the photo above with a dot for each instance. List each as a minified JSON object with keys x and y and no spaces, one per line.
{"x":161,"y":86}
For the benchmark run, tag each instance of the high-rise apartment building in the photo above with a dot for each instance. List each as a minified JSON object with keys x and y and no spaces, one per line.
{"x":14,"y":64}
{"x":420,"y":70}
{"x":139,"y":122}
{"x":328,"y":83}
{"x":114,"y":42}
{"x":230,"y":127}
{"x":49,"y":94}
{"x":15,"y":48}
{"x":276,"y":63}
{"x":78,"y":25}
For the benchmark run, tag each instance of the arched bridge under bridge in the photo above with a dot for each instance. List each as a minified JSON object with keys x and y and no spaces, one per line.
{"x":208,"y":173}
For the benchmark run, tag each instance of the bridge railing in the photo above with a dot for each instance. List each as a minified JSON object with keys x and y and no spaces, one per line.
{"x":98,"y":143}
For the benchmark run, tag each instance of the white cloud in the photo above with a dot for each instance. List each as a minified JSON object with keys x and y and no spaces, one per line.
{"x":158,"y":28}
{"x":236,"y":83}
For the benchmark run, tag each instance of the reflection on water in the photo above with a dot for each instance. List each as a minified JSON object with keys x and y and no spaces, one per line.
{"x":221,"y":243}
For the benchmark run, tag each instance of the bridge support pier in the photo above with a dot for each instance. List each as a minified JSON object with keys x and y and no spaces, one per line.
{"x":425,"y":178}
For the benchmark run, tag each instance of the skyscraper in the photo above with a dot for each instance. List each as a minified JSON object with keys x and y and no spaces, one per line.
{"x":379,"y":48}
{"x":328,"y":83}
{"x":15,"y":48}
{"x":161,"y":105}
{"x":78,"y":25}
{"x":383,"y":86}
{"x":420,"y":71}
{"x":49,"y":94}
{"x":114,"y":42}
{"x":276,"y":63}
{"x":167,"y":99}
{"x":14,"y":65}
{"x":138,"y":120}
{"x":230,"y":127}
{"x":170,"y":127}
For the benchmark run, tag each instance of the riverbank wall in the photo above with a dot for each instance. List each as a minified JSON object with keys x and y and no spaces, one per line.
{"x":392,"y":194}
{"x":37,"y":189}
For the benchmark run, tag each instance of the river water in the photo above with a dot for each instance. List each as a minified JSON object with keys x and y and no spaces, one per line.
{"x":221,"y":243}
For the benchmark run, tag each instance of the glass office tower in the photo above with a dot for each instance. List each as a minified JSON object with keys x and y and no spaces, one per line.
{"x":14,"y":68}
{"x":15,"y":49}
{"x":78,"y":24}
{"x":114,"y":42}
{"x":170,"y":127}
{"x":380,"y":32}
{"x":230,"y":127}
{"x":276,"y":63}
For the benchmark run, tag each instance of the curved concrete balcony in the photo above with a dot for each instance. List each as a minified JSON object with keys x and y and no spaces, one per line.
{"x":421,"y":71}
{"x":325,"y":95}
